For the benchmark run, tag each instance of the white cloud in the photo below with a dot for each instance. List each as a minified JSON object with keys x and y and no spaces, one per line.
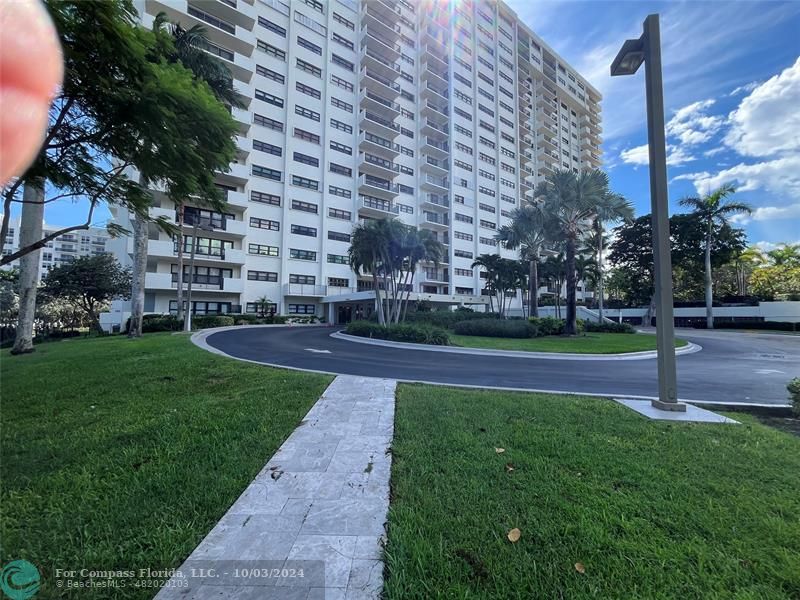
{"x":691,"y":125}
{"x":780,"y":176}
{"x":639,"y":155}
{"x":713,"y":151}
{"x":769,"y":213}
{"x":767,"y":122}
{"x":765,"y":246}
{"x":747,"y":87}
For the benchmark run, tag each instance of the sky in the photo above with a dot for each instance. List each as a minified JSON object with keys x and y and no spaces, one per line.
{"x":731,"y":93}
{"x":731,"y":98}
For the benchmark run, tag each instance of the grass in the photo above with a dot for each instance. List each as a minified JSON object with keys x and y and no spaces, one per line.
{"x":121,"y":454}
{"x":650,"y":509}
{"x":586,"y":343}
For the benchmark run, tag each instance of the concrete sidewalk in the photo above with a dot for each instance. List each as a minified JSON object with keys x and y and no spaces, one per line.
{"x":311,"y":524}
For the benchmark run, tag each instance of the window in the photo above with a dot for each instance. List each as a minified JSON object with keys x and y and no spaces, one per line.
{"x":307,"y":90}
{"x":338,"y":282}
{"x":342,"y":83}
{"x":464,"y":148}
{"x":343,"y":41}
{"x":406,"y":170}
{"x":304,"y":43}
{"x":345,"y":64}
{"x":269,"y":308}
{"x":316,"y":5}
{"x":341,"y":127}
{"x":462,"y":114}
{"x":463,"y":272}
{"x":341,"y":192}
{"x":462,"y":130}
{"x":265,"y":224}
{"x":270,"y":74}
{"x":339,"y":237}
{"x":463,"y":80}
{"x":302,"y":254}
{"x":487,"y":208}
{"x":486,"y":158}
{"x":304,"y":206}
{"x":275,"y":28}
{"x":507,"y":198}
{"x":487,"y":126}
{"x":340,"y":169}
{"x":337,"y":259}
{"x":487,"y":142}
{"x":205,"y":246}
{"x":306,"y":135}
{"x":303,"y":230}
{"x":268,"y":148}
{"x":267,"y":122}
{"x":302,"y":309}
{"x":461,"y":164}
{"x":306,"y":159}
{"x":302,"y":279}
{"x":487,"y":174}
{"x":462,"y":96}
{"x":340,"y":19}
{"x":310,"y":23}
{"x":488,"y":224}
{"x":463,"y":218}
{"x":338,"y":213}
{"x":484,"y":190}
{"x":271,"y":50}
{"x":269,"y":98}
{"x":211,"y":20}
{"x":202,"y":307}
{"x":460,"y":235}
{"x":308,"y":68}
{"x":265,"y":198}
{"x":267,"y":173}
{"x":262,"y":276}
{"x":306,"y":112}
{"x":262,"y":250}
{"x":341,"y":147}
{"x":462,"y":253}
{"x":341,"y":104}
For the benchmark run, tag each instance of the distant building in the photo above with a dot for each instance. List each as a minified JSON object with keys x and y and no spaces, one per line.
{"x":63,"y":249}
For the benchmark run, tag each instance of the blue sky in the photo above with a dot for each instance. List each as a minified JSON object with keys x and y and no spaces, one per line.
{"x":731,"y":93}
{"x":732,"y":98}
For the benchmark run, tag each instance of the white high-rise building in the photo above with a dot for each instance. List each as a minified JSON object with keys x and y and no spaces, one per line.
{"x":442,"y":114}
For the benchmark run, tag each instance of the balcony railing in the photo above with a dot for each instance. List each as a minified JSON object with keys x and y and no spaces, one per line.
{"x":304,"y":289}
{"x":370,"y":116}
{"x":381,"y":162}
{"x":383,"y":101}
{"x":212,"y":280}
{"x":378,"y":204}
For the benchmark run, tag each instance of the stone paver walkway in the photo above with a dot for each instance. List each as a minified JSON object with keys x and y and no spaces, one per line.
{"x":318,"y":507}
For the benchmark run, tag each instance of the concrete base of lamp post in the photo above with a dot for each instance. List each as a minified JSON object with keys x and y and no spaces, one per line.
{"x":670,"y":406}
{"x":689,"y":414}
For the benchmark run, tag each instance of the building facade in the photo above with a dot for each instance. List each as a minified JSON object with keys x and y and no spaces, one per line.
{"x":63,"y":249}
{"x":441,"y":114}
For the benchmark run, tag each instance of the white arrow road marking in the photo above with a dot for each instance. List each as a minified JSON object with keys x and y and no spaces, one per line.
{"x":768,"y":371}
{"x":318,"y":351}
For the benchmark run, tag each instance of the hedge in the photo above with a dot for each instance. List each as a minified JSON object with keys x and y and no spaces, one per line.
{"x":766,"y":325}
{"x":794,"y":394}
{"x":547,"y":325}
{"x":206,"y":321}
{"x":447,"y":318}
{"x":400,"y":332}
{"x":496,"y":328}
{"x":606,"y":327}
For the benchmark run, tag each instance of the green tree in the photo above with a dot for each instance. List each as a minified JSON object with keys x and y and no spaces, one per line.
{"x":711,"y":209}
{"x":89,"y":283}
{"x":785,"y":254}
{"x":776,"y":282}
{"x":503,"y":277}
{"x":528,"y":232}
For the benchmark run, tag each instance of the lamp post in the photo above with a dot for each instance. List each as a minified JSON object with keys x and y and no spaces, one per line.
{"x":187,"y":321}
{"x":647,"y":49}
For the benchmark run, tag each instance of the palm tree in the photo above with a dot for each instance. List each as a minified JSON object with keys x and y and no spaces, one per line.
{"x":418,"y":245}
{"x":571,"y":201}
{"x":785,"y":254}
{"x":528,"y":232}
{"x":744,"y":264}
{"x":490,"y":263}
{"x":612,"y":207}
{"x":367,"y":253}
{"x":554,"y":272}
{"x":713,"y":209}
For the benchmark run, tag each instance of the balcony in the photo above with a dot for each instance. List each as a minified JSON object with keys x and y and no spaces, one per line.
{"x":431,"y":128}
{"x":435,"y":202}
{"x":375,"y":165}
{"x":376,"y":207}
{"x":369,"y":142}
{"x":435,"y":112}
{"x":374,"y":41}
{"x":438,"y":79}
{"x":373,"y":19}
{"x":436,"y":167}
{"x":545,"y":127}
{"x":433,"y":60}
{"x":379,"y":84}
{"x":375,"y":123}
{"x":379,"y":105}
{"x":438,"y":94}
{"x":235,"y":199}
{"x":224,"y":25}
{"x":168,"y":250}
{"x":433,"y":40}
{"x":435,"y":184}
{"x":435,"y":221}
{"x":307,"y":290}
{"x":382,"y":189}
{"x":547,"y":156}
{"x":436,"y":275}
{"x":205,"y":283}
{"x":435,"y":148}
{"x":385,"y":8}
{"x":378,"y":63}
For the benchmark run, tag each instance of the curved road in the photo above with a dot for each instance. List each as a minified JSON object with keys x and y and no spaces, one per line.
{"x":731,"y":368}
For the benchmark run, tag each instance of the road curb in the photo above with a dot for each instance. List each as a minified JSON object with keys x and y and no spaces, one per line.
{"x":690,"y":348}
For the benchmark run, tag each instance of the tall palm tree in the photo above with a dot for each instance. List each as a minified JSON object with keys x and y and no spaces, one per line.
{"x":418,"y":245}
{"x":713,"y":209}
{"x":527,"y":231}
{"x":490,"y":263}
{"x":554,"y":272}
{"x":612,"y":207}
{"x":369,"y":247}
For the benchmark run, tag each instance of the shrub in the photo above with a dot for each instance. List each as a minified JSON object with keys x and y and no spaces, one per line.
{"x":153,"y":323}
{"x":794,"y":394}
{"x":204,"y":322}
{"x":248,"y":319}
{"x":606,"y":327}
{"x":496,"y":328}
{"x":766,"y":325}
{"x":447,"y":318}
{"x":400,"y":332}
{"x":548,"y":325}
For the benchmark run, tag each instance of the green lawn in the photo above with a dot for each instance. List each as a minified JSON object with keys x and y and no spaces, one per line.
{"x":586,"y":343}
{"x":650,"y":509}
{"x":121,"y":454}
